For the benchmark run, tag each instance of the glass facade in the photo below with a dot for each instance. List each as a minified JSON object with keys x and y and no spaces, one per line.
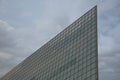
{"x":71,"y":55}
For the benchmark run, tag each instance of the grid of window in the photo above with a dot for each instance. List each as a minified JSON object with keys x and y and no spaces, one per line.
{"x":71,"y":55}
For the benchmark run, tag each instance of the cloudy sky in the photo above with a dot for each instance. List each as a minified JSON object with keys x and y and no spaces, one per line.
{"x":25,"y":25}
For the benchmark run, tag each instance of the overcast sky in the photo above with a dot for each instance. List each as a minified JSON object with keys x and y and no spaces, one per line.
{"x":26,"y":25}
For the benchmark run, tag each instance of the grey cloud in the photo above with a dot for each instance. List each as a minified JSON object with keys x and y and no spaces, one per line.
{"x":5,"y":34}
{"x":109,"y":40}
{"x":6,"y":43}
{"x":11,"y":50}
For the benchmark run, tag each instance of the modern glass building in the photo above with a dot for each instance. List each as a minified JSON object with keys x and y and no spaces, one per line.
{"x":70,"y":55}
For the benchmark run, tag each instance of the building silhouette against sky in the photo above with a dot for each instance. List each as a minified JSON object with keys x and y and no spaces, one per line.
{"x":71,"y":55}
